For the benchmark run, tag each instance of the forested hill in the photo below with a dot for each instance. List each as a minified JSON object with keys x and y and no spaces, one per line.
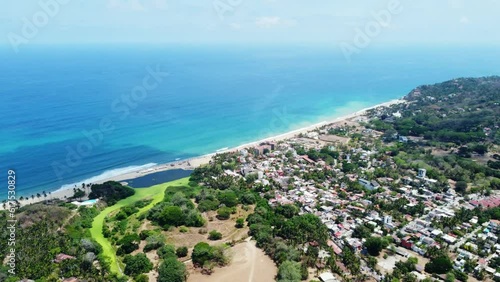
{"x":460,"y":111}
{"x":473,"y":91}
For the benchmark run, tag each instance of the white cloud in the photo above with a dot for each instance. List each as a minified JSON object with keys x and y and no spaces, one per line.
{"x":137,"y":5}
{"x":160,"y":4}
{"x":235,"y":26}
{"x":269,"y":22}
{"x":456,"y":4}
{"x":130,"y":5}
{"x":464,"y":20}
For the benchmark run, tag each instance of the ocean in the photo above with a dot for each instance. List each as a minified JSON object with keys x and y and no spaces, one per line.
{"x":80,"y":113}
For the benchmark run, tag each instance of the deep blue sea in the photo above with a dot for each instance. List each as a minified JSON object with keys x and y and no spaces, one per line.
{"x":54,"y":97}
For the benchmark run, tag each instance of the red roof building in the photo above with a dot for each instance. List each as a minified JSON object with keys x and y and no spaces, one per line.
{"x":487,"y":203}
{"x":61,"y":257}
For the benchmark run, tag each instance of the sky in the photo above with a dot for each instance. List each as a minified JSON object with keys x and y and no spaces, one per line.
{"x":407,"y":22}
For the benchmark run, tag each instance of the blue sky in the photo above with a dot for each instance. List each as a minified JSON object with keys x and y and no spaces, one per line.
{"x":258,"y":21}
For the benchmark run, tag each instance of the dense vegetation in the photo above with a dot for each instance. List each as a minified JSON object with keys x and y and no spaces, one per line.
{"x":40,"y":239}
{"x":462,"y":111}
{"x":170,"y":269}
{"x":205,"y":255}
{"x":176,"y":210}
{"x":110,"y":192}
{"x":454,"y":126}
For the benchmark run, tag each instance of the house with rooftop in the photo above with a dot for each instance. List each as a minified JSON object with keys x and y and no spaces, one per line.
{"x":370,"y":185}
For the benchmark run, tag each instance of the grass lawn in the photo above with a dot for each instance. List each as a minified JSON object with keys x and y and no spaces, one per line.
{"x":156,"y":193}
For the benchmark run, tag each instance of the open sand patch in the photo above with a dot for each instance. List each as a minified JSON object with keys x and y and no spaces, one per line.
{"x":249,"y":264}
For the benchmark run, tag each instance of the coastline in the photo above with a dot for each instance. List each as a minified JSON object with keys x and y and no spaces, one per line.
{"x":192,"y":163}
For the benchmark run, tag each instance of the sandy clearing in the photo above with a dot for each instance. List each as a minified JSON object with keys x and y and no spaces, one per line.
{"x":249,"y":264}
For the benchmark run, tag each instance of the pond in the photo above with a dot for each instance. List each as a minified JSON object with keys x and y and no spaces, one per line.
{"x":157,"y":178}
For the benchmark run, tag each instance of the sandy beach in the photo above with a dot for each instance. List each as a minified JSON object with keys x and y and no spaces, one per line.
{"x":192,"y":163}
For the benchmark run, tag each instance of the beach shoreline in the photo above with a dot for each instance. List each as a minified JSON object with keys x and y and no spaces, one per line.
{"x":192,"y":163}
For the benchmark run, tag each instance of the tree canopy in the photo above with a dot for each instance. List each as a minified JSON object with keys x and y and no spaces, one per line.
{"x":138,"y":264}
{"x":111,"y":192}
{"x":202,"y":252}
{"x":439,"y":265}
{"x":289,"y":271}
{"x":172,"y":270}
{"x":374,"y":245}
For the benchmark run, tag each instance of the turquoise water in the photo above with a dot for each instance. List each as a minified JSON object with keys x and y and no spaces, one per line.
{"x":89,"y":202}
{"x":56,"y":100}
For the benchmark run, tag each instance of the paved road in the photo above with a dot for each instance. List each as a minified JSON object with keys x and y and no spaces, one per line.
{"x":463,"y":239}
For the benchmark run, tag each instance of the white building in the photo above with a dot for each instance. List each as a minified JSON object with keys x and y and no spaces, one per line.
{"x":387,"y":219}
{"x":421,"y":173}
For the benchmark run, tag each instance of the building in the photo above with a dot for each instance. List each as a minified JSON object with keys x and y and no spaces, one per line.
{"x":405,"y":242}
{"x":388,"y":222}
{"x":60,"y":257}
{"x":327,"y":277}
{"x":493,"y":225}
{"x":370,"y":185}
{"x":487,"y":203}
{"x":421,"y":173}
{"x":449,"y":239}
{"x":387,"y":219}
{"x":402,"y":252}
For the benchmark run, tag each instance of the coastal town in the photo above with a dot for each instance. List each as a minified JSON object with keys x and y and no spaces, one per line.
{"x":426,"y":226}
{"x":386,"y":194}
{"x":324,"y":189}
{"x":250,"y":141}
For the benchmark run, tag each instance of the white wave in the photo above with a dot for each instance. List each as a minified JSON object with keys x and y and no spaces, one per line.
{"x":107,"y":175}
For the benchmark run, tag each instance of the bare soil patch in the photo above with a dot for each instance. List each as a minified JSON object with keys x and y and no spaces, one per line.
{"x":248,"y":264}
{"x":226,"y":227}
{"x":334,"y":139}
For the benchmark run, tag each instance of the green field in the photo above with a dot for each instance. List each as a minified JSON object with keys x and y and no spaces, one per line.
{"x":156,"y":193}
